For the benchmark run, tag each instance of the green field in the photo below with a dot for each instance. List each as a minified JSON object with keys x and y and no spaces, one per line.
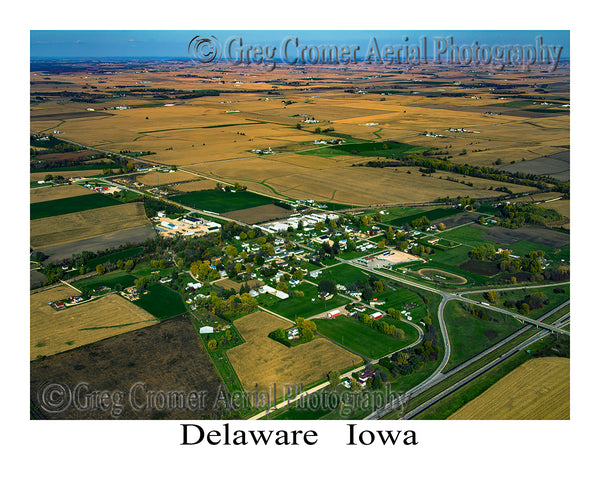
{"x":295,"y":306}
{"x":63,"y":206}
{"x":470,"y":335}
{"x":219,"y":201}
{"x":387,"y":149}
{"x":343,"y":274}
{"x":361,"y":338}
{"x":162,"y":302}
{"x":110,"y":280}
{"x":453,"y":255}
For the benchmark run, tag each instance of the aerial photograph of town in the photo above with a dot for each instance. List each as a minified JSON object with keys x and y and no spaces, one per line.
{"x":300,"y":226}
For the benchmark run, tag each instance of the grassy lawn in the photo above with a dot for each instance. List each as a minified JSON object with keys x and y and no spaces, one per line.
{"x":343,"y":274}
{"x":220,"y":201}
{"x":63,"y":206}
{"x":399,"y":298}
{"x":470,"y":335}
{"x":467,"y":235}
{"x":453,"y":256}
{"x":300,"y":306}
{"x":358,"y":337}
{"x":162,"y":302}
{"x":118,"y":277}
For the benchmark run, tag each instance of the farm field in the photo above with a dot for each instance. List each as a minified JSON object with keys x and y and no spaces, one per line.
{"x":57,"y":253}
{"x":164,"y":357}
{"x":81,"y":225}
{"x":219,"y":201}
{"x":263,"y":213}
{"x":63,"y":206}
{"x":363,"y":339}
{"x":54,"y":331}
{"x":45,"y":194}
{"x":260,"y":361}
{"x":536,"y":390}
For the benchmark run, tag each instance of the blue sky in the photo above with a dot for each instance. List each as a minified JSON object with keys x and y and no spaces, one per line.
{"x":174,"y":43}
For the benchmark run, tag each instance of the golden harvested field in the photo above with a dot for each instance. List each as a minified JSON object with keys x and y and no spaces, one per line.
{"x":260,"y":361}
{"x":165,"y":178}
{"x":536,"y":390}
{"x":44,"y":194}
{"x":90,"y":223}
{"x":54,"y":331}
{"x":195,"y":186}
{"x":214,"y":135}
{"x":37,"y":176}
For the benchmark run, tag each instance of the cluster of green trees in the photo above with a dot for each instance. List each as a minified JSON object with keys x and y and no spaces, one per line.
{"x":307,"y":329}
{"x":152,"y":206}
{"x":514,"y":215}
{"x":409,"y":361}
{"x":382,"y":326}
{"x":489,"y":173}
{"x":532,"y":301}
{"x":231,"y":307}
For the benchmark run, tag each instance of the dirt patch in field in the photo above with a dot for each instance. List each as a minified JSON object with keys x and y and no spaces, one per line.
{"x":536,"y":390}
{"x":80,"y":155}
{"x":67,"y":115}
{"x":166,"y":357}
{"x":457,"y":220}
{"x":44,"y":194}
{"x":543,"y":236}
{"x":481,"y":267}
{"x":53,"y":331}
{"x":260,"y":361}
{"x":556,"y":166}
{"x":254,"y":215}
{"x":91,"y":223}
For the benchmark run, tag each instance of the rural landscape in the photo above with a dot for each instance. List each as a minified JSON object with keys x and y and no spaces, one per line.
{"x":306,"y":242}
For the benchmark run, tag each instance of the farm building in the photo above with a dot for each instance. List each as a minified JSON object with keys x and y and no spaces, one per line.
{"x":333,"y":314}
{"x":206,"y":330}
{"x":169,"y":225}
{"x":376,"y":315}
